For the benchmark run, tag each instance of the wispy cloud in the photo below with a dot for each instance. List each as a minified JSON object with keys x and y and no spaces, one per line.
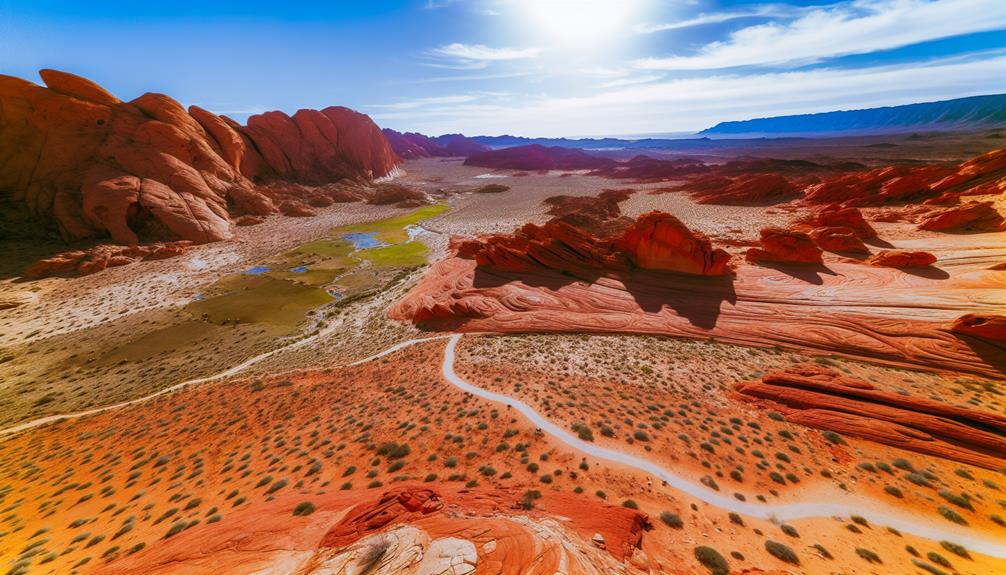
{"x":695,"y":103}
{"x":767,"y":10}
{"x":857,"y":27}
{"x":630,"y":81}
{"x":483,"y":53}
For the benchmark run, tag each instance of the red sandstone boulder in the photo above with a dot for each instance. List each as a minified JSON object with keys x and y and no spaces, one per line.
{"x":244,"y":221}
{"x":659,"y":241}
{"x":986,"y":326}
{"x":396,"y":506}
{"x":788,"y":246}
{"x":839,"y":239}
{"x":386,"y":194}
{"x":296,"y":209}
{"x":902,"y":259}
{"x":974,"y":217}
{"x":834,"y":215}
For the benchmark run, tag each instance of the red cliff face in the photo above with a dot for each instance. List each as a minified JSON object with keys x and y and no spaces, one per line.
{"x":90,"y":165}
{"x":659,"y":241}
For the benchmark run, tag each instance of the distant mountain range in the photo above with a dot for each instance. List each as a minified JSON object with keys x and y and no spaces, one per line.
{"x":961,"y":113}
{"x":973,"y":113}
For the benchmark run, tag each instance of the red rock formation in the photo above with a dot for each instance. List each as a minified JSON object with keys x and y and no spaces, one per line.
{"x":822,"y":398}
{"x":91,"y":165}
{"x":834,"y":215}
{"x":838,"y":239}
{"x":395,"y":506}
{"x":748,"y":189}
{"x":902,"y":259}
{"x":659,"y":241}
{"x":986,"y":326}
{"x":974,"y":217}
{"x":537,"y":157}
{"x":390,"y":193}
{"x":656,"y":241}
{"x":98,"y":258}
{"x":787,"y":246}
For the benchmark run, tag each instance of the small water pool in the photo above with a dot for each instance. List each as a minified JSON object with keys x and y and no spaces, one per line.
{"x":362,"y":241}
{"x":299,"y":269}
{"x":256,"y":271}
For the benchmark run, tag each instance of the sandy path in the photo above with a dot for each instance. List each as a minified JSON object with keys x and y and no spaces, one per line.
{"x":840,"y":504}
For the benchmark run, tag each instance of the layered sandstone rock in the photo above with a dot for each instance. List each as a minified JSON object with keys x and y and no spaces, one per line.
{"x":656,"y":241}
{"x":838,"y":239}
{"x":974,"y":217}
{"x":100,"y":257}
{"x":986,"y":326}
{"x":748,"y":189}
{"x":659,"y":241}
{"x":902,"y":259}
{"x":90,"y":165}
{"x":785,"y":246}
{"x":822,"y":398}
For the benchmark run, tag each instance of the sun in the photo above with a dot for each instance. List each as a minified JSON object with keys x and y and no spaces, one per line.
{"x":580,"y":21}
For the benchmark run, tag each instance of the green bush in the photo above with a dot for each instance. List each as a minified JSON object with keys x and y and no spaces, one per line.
{"x":303,"y":509}
{"x":712,"y":560}
{"x":782,"y":552}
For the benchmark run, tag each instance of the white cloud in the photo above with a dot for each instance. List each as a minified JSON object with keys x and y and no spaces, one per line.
{"x":423,"y":102}
{"x":483,"y":53}
{"x":696,"y":103}
{"x":631,"y":81}
{"x":768,"y":10}
{"x":857,"y":27}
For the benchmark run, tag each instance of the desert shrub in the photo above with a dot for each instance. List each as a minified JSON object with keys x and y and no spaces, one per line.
{"x":789,"y":530}
{"x":630,"y":504}
{"x":956,"y":549}
{"x":823,"y":551}
{"x":303,"y":509}
{"x":782,"y":552}
{"x":672,"y":520}
{"x":938,"y":559}
{"x":870,"y":556}
{"x":951,"y":515}
{"x":712,"y":560}
{"x":928,"y":568}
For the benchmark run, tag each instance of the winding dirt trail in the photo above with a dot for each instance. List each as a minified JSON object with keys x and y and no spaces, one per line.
{"x":839,"y":505}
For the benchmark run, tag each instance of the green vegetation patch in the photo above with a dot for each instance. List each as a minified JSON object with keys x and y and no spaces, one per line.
{"x":407,"y":255}
{"x":392,"y":230}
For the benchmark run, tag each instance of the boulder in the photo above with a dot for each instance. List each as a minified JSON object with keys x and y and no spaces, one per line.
{"x":839,"y":239}
{"x":986,"y":326}
{"x":902,"y":259}
{"x":660,"y":241}
{"x":835,"y":215}
{"x":785,"y":246}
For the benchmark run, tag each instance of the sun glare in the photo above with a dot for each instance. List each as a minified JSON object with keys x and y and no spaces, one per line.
{"x":580,"y":21}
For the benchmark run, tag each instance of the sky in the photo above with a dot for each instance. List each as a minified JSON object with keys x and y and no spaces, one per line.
{"x":523,"y":67}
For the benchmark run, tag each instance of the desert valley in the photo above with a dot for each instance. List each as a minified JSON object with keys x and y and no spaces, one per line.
{"x":303,"y":344}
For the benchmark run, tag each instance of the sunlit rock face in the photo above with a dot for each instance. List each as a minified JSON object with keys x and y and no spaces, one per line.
{"x":89,"y":165}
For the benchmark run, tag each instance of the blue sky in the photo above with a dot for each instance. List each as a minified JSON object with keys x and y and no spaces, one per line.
{"x":527,"y":67}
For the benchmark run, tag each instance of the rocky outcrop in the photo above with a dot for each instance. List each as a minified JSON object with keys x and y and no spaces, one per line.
{"x":785,"y":246}
{"x":971,"y":217}
{"x":659,"y":241}
{"x":985,"y":326}
{"x":396,"y":506}
{"x":98,"y":258}
{"x":839,"y":239}
{"x":902,"y":259}
{"x":536,"y":157}
{"x":744,"y":190}
{"x":656,"y":241}
{"x":837,"y":216}
{"x":818,"y":397}
{"x":89,"y":165}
